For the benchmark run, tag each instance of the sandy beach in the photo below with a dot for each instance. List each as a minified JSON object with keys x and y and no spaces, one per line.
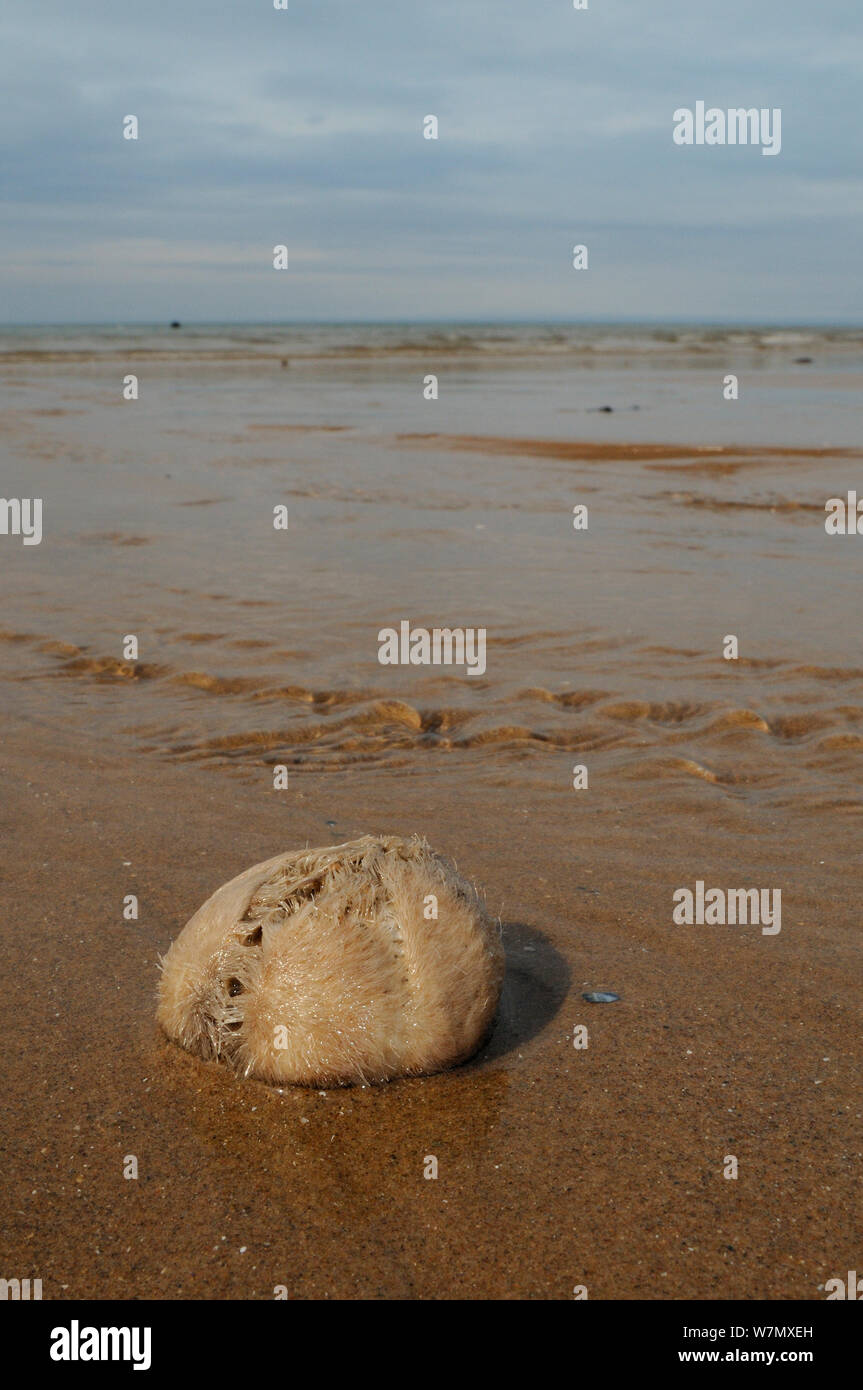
{"x":559,"y":1167}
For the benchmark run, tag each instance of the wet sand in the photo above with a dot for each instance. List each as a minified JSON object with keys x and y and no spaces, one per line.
{"x":557,"y":1167}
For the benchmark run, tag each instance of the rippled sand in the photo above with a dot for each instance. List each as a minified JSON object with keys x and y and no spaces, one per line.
{"x":604,"y":648}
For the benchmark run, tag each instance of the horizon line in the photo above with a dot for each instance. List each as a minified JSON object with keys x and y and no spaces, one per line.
{"x":475,"y":322}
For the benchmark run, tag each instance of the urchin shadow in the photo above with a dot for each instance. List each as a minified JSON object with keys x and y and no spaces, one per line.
{"x":536,"y":983}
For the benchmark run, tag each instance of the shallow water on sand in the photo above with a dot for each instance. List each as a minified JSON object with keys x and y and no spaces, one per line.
{"x":604,"y":648}
{"x":259,"y":646}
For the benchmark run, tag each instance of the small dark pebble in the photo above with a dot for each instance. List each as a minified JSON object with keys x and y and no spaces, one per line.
{"x":600,"y":996}
{"x":803,"y":359}
{"x":331,"y":822}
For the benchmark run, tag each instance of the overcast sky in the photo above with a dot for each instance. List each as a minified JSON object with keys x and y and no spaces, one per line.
{"x":259,"y":127}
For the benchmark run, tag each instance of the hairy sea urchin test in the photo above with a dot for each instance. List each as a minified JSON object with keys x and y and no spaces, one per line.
{"x":349,"y":964}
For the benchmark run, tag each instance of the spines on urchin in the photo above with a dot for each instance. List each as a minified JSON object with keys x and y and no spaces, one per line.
{"x":202,"y":1003}
{"x":330,"y":945}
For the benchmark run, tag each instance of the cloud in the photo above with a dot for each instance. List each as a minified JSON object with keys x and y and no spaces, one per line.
{"x":260,"y":126}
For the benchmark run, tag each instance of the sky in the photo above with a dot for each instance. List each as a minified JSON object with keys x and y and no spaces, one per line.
{"x":260,"y":127}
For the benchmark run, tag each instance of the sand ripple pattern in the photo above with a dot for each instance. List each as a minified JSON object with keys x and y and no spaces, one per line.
{"x":244,"y":721}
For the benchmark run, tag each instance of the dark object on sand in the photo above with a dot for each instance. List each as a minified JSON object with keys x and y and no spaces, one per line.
{"x":600,"y":996}
{"x":803,"y":359}
{"x":175,"y":323}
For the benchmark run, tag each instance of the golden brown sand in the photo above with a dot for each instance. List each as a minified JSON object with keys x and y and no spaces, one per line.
{"x":556,"y":1166}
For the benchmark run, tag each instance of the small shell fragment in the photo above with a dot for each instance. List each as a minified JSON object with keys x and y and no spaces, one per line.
{"x":600,"y":996}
